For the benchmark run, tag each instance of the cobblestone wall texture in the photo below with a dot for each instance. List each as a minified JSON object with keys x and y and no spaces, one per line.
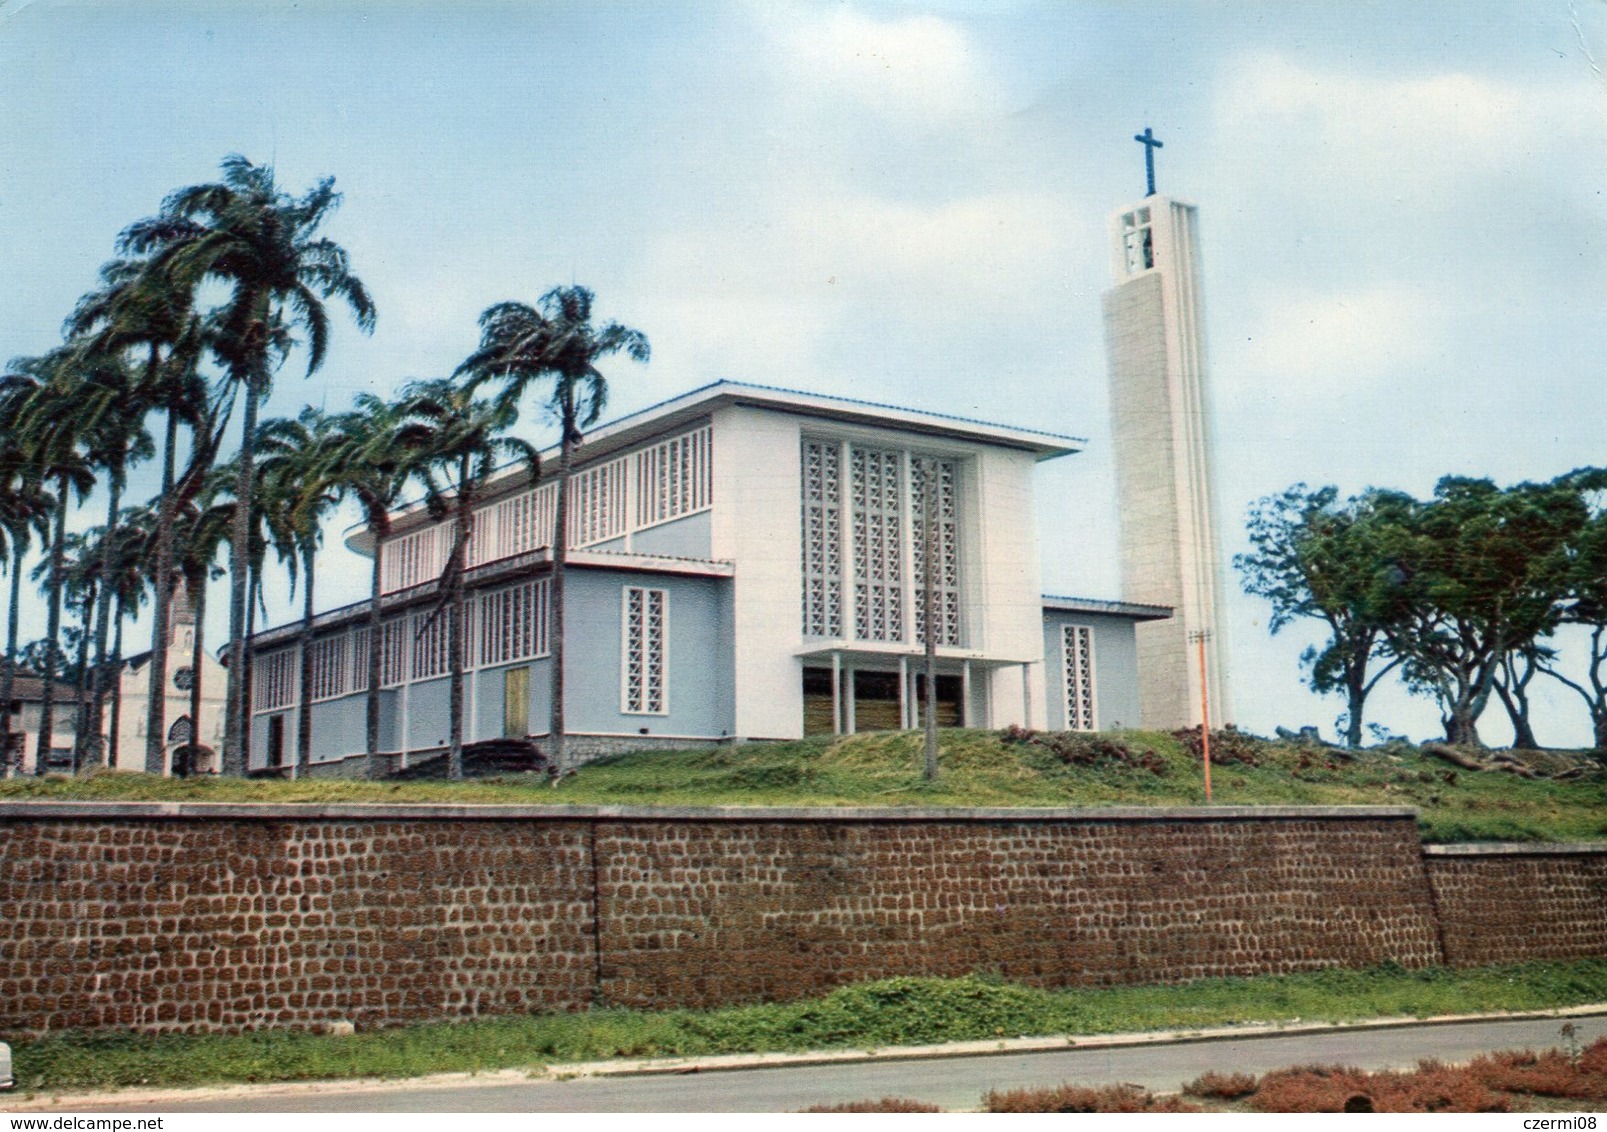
{"x":699,"y":915}
{"x":124,"y":918}
{"x":225,"y":925}
{"x":1518,"y":906}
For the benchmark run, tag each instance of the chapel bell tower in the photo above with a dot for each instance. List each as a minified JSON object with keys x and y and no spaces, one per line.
{"x":1161,"y":433}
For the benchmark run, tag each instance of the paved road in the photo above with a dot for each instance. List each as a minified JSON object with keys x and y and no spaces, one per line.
{"x":954,"y":1083}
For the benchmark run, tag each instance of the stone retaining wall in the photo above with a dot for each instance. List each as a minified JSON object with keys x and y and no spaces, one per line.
{"x":230,"y":917}
{"x":1514,"y":903}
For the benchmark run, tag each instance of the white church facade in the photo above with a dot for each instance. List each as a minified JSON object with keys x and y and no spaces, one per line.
{"x":746,"y":563}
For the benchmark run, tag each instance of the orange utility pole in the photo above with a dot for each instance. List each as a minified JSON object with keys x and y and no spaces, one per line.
{"x":1200,"y":636}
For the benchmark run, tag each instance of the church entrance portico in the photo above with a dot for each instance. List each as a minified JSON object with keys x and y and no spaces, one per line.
{"x":848,"y":690}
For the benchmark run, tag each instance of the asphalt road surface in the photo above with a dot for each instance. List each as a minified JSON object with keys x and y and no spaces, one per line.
{"x":953,"y":1083}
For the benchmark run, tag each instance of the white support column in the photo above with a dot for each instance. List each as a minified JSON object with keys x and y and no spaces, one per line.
{"x":1026,"y":695}
{"x":401,"y":724}
{"x":965,"y":694}
{"x":905,"y":700}
{"x":836,"y":693}
{"x":850,"y":722}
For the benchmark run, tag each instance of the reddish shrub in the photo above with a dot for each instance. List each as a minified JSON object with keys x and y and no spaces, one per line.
{"x":1075,"y":1098}
{"x":886,"y":1104}
{"x":1227,"y":746}
{"x":1229,"y":1087}
{"x":1549,"y":1074}
{"x":1430,"y":1088}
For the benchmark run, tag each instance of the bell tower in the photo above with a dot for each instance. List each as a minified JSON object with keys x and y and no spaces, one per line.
{"x":1161,"y":433}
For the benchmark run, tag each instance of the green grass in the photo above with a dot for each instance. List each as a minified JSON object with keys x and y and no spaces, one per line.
{"x":979,"y":768}
{"x":904,"y":1011}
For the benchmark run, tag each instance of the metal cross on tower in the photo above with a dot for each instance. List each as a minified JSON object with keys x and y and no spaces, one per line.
{"x":1147,"y":140}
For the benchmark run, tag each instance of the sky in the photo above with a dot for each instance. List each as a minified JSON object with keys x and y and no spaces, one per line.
{"x":1403,"y":226}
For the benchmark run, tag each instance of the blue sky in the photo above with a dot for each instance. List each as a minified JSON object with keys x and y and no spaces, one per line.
{"x":1402,"y":214}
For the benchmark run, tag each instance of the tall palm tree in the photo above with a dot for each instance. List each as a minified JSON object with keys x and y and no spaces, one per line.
{"x":133,"y":538}
{"x":140,"y":309}
{"x":107,"y":413}
{"x":553,"y":342}
{"x":261,"y":243}
{"x":25,"y":508}
{"x":297,"y":470}
{"x":375,"y":455}
{"x":203,"y":527}
{"x":37,"y":408}
{"x":464,"y":438}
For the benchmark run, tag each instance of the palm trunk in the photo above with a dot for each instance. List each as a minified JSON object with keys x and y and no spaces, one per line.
{"x":81,"y":716}
{"x":560,"y":552}
{"x":197,"y":588}
{"x":380,"y":527}
{"x":103,"y":617}
{"x":47,"y":723}
{"x":929,"y":580}
{"x":8,"y":679}
{"x":234,"y":737}
{"x":156,"y":684}
{"x":116,"y":676}
{"x":253,"y":596}
{"x":304,"y":713}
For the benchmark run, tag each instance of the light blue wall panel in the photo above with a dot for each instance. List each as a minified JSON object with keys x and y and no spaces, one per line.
{"x":700,"y":656}
{"x":339,"y":727}
{"x":1115,"y":668}
{"x":690,"y":537}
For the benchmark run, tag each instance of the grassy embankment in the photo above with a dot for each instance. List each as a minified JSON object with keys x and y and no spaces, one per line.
{"x":870,"y":1015}
{"x":979,"y":768}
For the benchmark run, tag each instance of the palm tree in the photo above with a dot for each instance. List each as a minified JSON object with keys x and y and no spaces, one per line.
{"x":374,"y":457}
{"x":297,"y":472}
{"x":555,"y":341}
{"x":37,"y":408}
{"x":464,"y":437}
{"x":260,"y":243}
{"x":132,"y":539}
{"x":24,"y":511}
{"x":108,"y":415}
{"x":203,"y":527}
{"x":139,"y":309}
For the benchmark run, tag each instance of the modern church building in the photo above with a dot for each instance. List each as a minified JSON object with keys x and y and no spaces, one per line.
{"x":751,"y":563}
{"x":745,"y":563}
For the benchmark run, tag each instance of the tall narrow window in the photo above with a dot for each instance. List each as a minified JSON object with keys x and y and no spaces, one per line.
{"x":646,"y":625}
{"x":822,"y":540}
{"x":1077,"y":663}
{"x":878,"y":545}
{"x":946,"y":580}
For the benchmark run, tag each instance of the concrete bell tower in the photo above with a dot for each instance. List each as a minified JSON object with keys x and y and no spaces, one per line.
{"x":1161,"y":432}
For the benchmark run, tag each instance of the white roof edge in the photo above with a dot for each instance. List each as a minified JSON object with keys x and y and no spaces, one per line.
{"x":704,"y":399}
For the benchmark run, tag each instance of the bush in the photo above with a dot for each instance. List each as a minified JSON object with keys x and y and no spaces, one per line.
{"x":1432,"y":1087}
{"x":1227,"y":746}
{"x":1229,"y":1087}
{"x":886,"y":1104}
{"x":1076,"y":1098}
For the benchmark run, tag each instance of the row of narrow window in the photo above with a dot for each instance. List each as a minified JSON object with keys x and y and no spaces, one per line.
{"x":652,"y":485}
{"x":503,"y":626}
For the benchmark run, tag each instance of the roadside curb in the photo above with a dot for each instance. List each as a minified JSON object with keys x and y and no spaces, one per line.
{"x":729,"y":1063}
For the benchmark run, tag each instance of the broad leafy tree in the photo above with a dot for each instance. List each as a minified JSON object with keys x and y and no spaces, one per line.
{"x":1585,"y":603}
{"x":1471,"y":575}
{"x":1313,"y":556}
{"x":554,"y":347}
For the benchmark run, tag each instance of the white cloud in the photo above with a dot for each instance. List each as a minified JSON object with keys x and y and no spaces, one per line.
{"x":1363,"y":337}
{"x":920,"y":71}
